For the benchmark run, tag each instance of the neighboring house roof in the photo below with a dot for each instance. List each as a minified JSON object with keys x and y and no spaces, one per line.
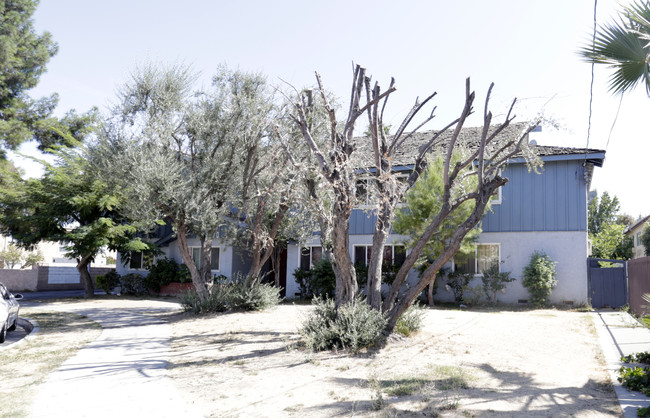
{"x":470,"y":137}
{"x":637,"y":224}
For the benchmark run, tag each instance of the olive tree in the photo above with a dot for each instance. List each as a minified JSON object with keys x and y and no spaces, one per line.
{"x":179,"y":152}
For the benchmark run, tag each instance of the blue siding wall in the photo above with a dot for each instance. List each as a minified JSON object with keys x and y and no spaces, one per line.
{"x":554,"y":200}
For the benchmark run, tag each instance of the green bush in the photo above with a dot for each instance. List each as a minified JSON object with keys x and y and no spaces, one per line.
{"x":321,"y":281}
{"x":411,"y":320}
{"x":166,"y":271}
{"x":643,"y":357}
{"x":108,"y":281}
{"x":495,"y":282}
{"x":218,"y":300}
{"x":133,"y":284}
{"x":539,"y":277}
{"x":251,"y":295}
{"x":457,"y":283}
{"x":635,"y":378}
{"x":355,"y":326}
{"x":240,"y":293}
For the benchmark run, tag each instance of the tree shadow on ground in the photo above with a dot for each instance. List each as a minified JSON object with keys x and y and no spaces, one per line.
{"x":514,"y":394}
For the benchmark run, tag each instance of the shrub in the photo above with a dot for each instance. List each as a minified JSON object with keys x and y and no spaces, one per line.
{"x":165,"y":271}
{"x":133,"y":284}
{"x":218,"y":300}
{"x":411,"y":320}
{"x":251,"y":295}
{"x":495,"y":282}
{"x":642,"y":357}
{"x":457,"y":283}
{"x":241,"y":293}
{"x":355,"y":326}
{"x":321,"y":281}
{"x":108,"y":281}
{"x":635,"y":378}
{"x":539,"y":277}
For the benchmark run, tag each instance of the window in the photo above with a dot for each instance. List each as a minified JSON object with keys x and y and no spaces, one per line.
{"x":394,"y":255}
{"x":495,"y":199}
{"x":310,"y":256}
{"x":215,"y":254}
{"x":139,"y":260}
{"x":484,"y":257}
{"x":638,"y":239}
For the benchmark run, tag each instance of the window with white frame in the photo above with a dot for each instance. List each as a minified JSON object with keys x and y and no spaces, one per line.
{"x":495,"y":199}
{"x":140,"y":260}
{"x":484,"y":257}
{"x":215,"y":254}
{"x":366,"y":189}
{"x":394,"y":255}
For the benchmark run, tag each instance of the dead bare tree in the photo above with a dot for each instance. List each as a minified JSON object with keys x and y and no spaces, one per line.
{"x":488,"y":155}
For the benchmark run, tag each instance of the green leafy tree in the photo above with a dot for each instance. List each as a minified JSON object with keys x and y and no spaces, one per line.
{"x":645,"y":238}
{"x":624,"y":47}
{"x":602,"y":211}
{"x":11,"y":256}
{"x":69,"y":205}
{"x":607,"y":229}
{"x":23,"y":58}
{"x":423,"y":203}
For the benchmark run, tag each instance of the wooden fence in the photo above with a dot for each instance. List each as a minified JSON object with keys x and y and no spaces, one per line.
{"x":638,"y":277}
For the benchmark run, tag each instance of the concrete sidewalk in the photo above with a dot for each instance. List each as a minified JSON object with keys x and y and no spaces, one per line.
{"x":121,"y":374}
{"x":620,"y":334}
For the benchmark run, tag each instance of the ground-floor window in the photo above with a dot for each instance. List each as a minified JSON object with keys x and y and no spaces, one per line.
{"x":215,"y":253}
{"x":140,"y":260}
{"x":394,"y":255}
{"x":310,"y":256}
{"x":484,"y":257}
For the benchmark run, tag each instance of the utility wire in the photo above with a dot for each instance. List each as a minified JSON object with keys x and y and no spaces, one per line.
{"x":620,"y":102}
{"x":591,"y":87}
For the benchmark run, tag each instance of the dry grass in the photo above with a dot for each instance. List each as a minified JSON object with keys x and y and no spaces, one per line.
{"x":23,"y":367}
{"x":487,"y":363}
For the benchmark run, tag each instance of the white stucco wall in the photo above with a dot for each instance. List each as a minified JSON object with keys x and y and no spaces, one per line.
{"x":568,"y":249}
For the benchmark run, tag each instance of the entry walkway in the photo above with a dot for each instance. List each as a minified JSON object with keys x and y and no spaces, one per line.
{"x":121,"y":374}
{"x":620,"y":335}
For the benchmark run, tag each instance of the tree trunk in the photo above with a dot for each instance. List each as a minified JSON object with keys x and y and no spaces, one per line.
{"x":430,"y":292}
{"x":84,"y":275}
{"x":206,"y":259}
{"x":373,"y":288}
{"x":199,"y":285}
{"x":346,"y":277}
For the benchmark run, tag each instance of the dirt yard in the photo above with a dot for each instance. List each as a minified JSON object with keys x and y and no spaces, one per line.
{"x":463,"y":363}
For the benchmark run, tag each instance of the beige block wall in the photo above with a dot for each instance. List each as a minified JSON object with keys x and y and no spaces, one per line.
{"x":19,"y":280}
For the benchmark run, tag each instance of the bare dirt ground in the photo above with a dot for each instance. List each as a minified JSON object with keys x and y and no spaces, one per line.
{"x":462,"y":363}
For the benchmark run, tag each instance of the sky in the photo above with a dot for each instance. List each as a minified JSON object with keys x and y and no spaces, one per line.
{"x":528,"y":49}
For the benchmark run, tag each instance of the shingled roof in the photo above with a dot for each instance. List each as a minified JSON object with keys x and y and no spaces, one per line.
{"x":468,"y":137}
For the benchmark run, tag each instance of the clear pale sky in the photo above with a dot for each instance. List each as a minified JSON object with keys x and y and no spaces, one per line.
{"x":527,"y":48}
